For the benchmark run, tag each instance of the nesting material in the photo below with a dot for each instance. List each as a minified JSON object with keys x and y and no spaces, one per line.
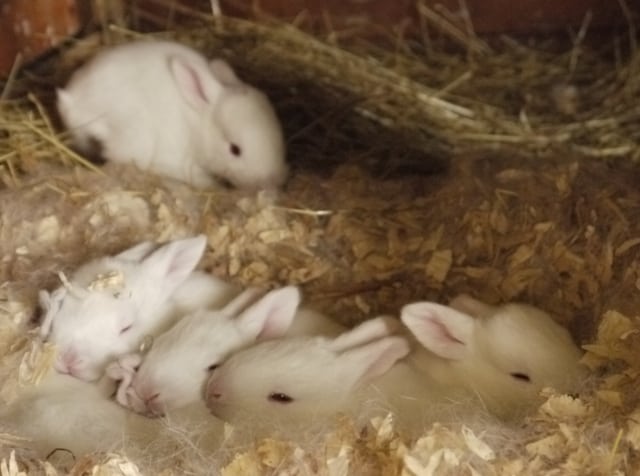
{"x":364,"y":237}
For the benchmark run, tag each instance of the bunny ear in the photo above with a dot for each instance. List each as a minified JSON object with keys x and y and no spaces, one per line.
{"x":45,"y":300}
{"x":137,"y":252}
{"x":224,"y":73}
{"x":442,"y":330}
{"x":65,"y":100}
{"x":172,"y":263}
{"x":469,"y":305}
{"x":195,"y":83}
{"x":272,"y":315}
{"x":375,"y":358}
{"x":366,"y":332}
{"x":242,"y":301}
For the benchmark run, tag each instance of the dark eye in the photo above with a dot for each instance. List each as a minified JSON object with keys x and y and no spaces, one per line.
{"x":125,"y":329}
{"x":212,"y":367}
{"x":521,"y":376}
{"x":235,"y":150}
{"x":280,"y":397}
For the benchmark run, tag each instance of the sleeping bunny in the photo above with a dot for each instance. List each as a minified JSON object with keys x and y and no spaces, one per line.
{"x":173,"y":373}
{"x":111,"y":304}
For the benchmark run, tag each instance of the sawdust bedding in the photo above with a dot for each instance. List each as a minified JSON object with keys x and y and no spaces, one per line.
{"x":561,"y":233}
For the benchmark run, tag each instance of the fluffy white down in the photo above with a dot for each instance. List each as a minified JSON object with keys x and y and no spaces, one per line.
{"x":92,"y":327}
{"x":177,"y":366}
{"x":162,"y":107}
{"x":497,"y":362}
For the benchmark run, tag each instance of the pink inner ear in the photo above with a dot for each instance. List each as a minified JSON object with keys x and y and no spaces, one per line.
{"x":189,"y":81}
{"x":433,"y":333}
{"x":197,"y":85}
{"x":441,"y":331}
{"x":273,"y":326}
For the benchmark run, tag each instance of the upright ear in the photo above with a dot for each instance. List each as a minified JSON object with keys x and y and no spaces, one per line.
{"x":50,"y":304}
{"x":64,"y":100}
{"x":197,"y":85}
{"x":272,"y":315}
{"x":375,"y":358}
{"x":137,"y":252}
{"x":242,"y":301}
{"x":444,"y":331}
{"x":222,"y":71}
{"x":46,"y":304}
{"x":368,"y":331}
{"x":469,"y":305}
{"x":171,"y":264}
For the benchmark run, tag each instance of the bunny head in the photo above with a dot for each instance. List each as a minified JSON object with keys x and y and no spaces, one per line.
{"x":504,"y":354}
{"x":173,"y":373}
{"x":242,"y":140}
{"x":299,"y":379}
{"x":110,"y":304}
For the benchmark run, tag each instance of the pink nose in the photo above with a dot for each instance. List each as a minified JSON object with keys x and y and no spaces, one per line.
{"x":153,"y":404}
{"x":214,"y":390}
{"x":67,"y":363}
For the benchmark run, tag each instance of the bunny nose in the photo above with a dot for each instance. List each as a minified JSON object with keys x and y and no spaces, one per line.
{"x":67,"y":362}
{"x":214,"y":390}
{"x":153,"y":405}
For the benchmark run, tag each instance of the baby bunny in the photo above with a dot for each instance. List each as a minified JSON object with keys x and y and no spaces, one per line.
{"x":110,"y":304}
{"x":296,"y":381}
{"x":64,"y":412}
{"x":172,"y":374}
{"x":163,"y":107}
{"x":504,"y":354}
{"x":503,"y":357}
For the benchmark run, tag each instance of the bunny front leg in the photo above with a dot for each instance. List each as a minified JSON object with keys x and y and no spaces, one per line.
{"x":123,"y":371}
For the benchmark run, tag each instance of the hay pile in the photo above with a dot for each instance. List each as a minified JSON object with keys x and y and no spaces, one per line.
{"x":524,"y":203}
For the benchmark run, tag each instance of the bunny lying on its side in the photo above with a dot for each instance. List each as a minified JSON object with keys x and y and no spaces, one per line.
{"x":163,"y":107}
{"x":64,"y":412}
{"x":173,"y":373}
{"x":112,"y":303}
{"x":504,"y":357}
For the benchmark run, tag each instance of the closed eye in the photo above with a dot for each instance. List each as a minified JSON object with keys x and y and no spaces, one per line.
{"x":521,"y":376}
{"x":125,"y":329}
{"x":279,"y":397}
{"x":212,"y":367}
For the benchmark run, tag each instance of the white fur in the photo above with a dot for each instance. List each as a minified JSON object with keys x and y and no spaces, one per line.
{"x":92,"y":327}
{"x":161,"y":106}
{"x":177,"y":366}
{"x":493,"y":350}
{"x":472,"y":357}
{"x":67,"y":413}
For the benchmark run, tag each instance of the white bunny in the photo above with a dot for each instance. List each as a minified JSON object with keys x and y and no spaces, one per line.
{"x":505,"y":354}
{"x":111,"y":304}
{"x":66,"y":413}
{"x":173,"y":373}
{"x":163,"y":107}
{"x":500,"y":360}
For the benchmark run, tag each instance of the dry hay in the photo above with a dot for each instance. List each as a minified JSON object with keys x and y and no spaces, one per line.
{"x":364,"y":236}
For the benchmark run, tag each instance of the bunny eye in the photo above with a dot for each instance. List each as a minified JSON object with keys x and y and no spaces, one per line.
{"x":280,"y":397}
{"x":125,"y":329}
{"x":235,"y":150}
{"x":521,"y":376}
{"x":212,"y":367}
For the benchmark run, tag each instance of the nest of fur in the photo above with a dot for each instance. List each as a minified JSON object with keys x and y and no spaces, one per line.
{"x":419,"y":173}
